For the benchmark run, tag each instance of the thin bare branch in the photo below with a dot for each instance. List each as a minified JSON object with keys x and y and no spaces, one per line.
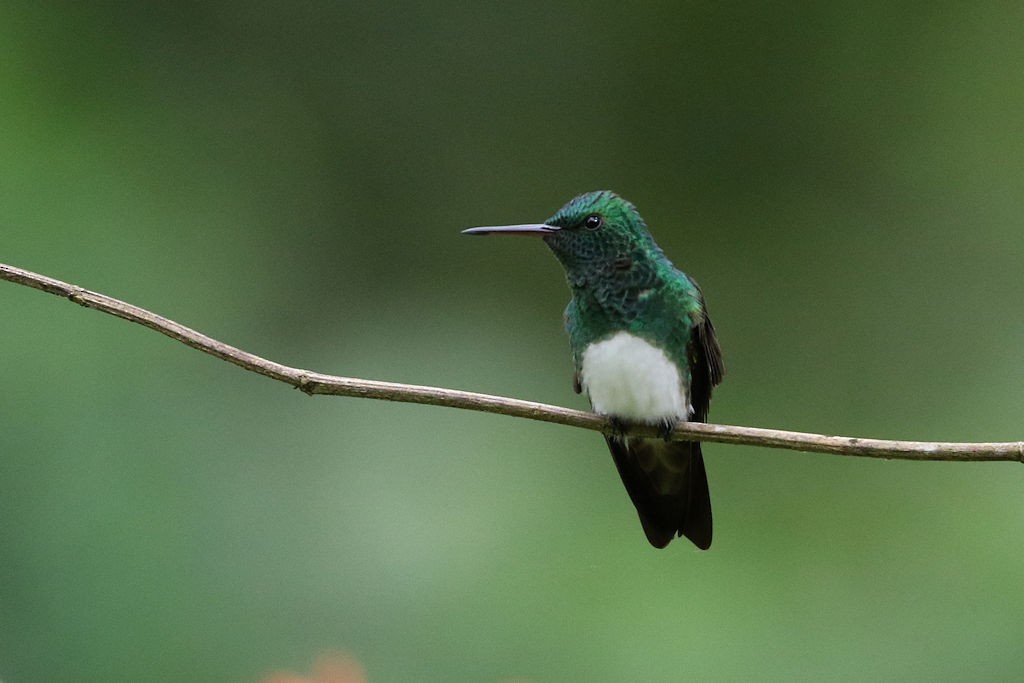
{"x":317,"y":383}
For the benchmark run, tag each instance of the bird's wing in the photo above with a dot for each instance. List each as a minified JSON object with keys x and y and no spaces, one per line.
{"x":706,"y":366}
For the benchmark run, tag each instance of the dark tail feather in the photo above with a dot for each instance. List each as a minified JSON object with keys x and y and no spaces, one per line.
{"x":668,"y":486}
{"x":697,"y":525}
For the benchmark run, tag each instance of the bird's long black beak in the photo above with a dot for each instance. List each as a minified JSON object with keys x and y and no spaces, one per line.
{"x":535,"y":229}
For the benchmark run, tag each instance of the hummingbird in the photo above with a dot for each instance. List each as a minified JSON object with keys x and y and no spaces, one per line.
{"x":644,"y":351}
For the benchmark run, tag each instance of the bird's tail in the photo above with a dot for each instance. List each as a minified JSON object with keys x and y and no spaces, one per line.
{"x":668,"y":485}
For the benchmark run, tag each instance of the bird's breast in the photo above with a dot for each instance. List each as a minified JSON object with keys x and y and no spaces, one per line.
{"x":632,"y":379}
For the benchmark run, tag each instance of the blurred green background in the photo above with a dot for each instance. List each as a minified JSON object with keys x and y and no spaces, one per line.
{"x":845,"y":180}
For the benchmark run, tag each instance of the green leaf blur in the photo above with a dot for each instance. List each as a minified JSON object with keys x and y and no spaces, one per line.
{"x":845,"y":181}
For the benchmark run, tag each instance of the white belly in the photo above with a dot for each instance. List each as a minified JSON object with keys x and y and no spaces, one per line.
{"x":632,"y":379}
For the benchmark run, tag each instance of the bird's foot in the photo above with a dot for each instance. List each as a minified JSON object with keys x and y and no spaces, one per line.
{"x":619,"y":428}
{"x":668,"y":427}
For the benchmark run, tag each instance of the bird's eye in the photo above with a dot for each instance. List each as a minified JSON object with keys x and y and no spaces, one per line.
{"x":593,"y":222}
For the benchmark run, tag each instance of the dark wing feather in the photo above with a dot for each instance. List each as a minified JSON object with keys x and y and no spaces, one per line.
{"x":706,"y":367}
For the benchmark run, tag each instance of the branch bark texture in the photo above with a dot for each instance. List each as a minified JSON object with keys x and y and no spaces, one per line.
{"x":314,"y":383}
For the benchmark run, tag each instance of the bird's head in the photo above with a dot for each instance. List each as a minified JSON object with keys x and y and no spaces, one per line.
{"x":594,"y":231}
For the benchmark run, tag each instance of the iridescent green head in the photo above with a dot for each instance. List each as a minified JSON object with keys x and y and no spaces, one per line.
{"x":592,"y":232}
{"x":599,"y":229}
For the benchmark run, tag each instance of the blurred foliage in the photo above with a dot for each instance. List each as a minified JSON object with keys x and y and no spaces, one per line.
{"x":845,"y":180}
